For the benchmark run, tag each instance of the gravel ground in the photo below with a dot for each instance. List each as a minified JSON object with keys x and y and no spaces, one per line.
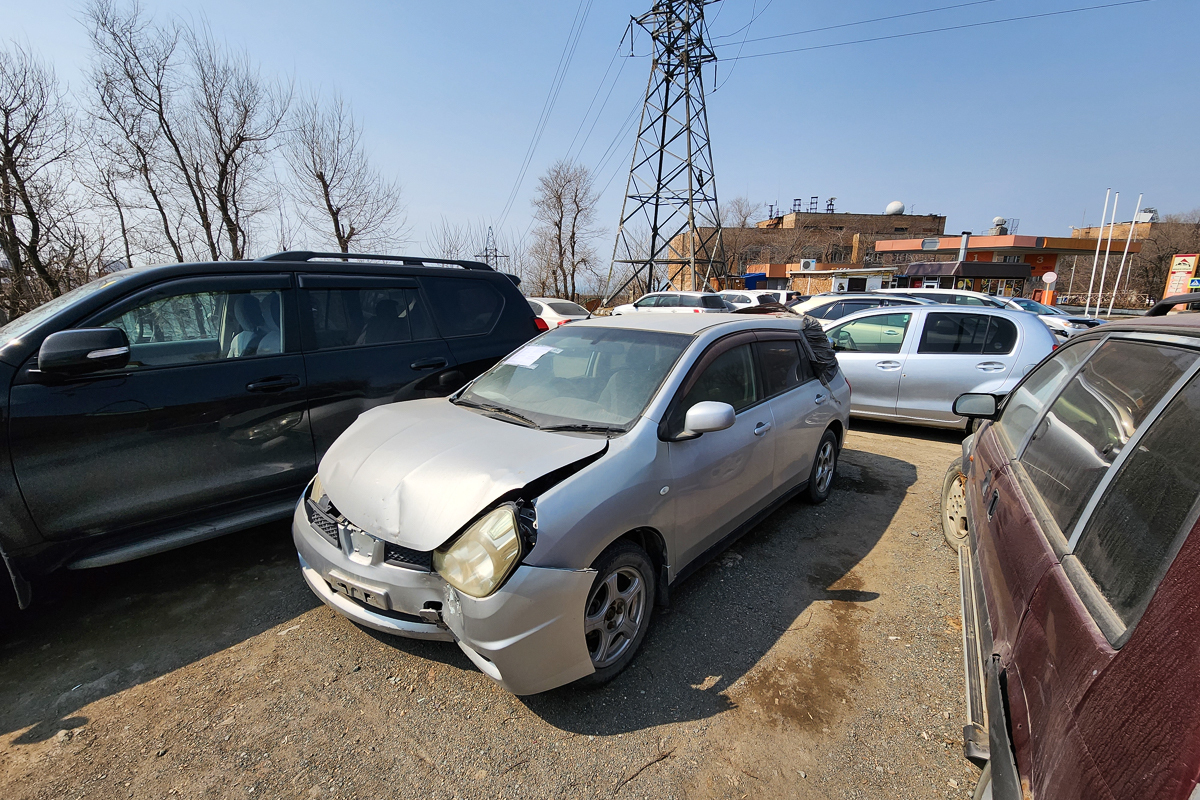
{"x":820,"y":657}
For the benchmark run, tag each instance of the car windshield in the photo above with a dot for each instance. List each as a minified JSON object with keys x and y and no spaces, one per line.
{"x":580,"y":378}
{"x":27,"y":322}
{"x":1035,"y":306}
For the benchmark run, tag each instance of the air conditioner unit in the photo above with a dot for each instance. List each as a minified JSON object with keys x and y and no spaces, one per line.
{"x":808,"y":263}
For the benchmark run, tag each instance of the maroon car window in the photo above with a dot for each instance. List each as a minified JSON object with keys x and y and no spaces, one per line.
{"x":1024,"y":407}
{"x":1129,"y":539}
{"x":1094,"y":418}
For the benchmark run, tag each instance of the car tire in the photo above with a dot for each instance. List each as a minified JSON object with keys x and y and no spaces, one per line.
{"x":954,"y":506}
{"x":824,"y":469}
{"x":983,"y":789}
{"x":617,"y":612}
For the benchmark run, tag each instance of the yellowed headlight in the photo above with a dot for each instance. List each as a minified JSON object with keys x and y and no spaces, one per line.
{"x":317,"y":491}
{"x":478,"y":561}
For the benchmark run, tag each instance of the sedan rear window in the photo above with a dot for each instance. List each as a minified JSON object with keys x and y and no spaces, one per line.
{"x":567,"y":309}
{"x":1093,"y":420}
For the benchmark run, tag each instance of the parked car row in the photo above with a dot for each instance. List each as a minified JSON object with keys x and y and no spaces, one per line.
{"x":1075,"y":510}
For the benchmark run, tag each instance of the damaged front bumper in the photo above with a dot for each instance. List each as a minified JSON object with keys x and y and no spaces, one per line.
{"x":527,"y":636}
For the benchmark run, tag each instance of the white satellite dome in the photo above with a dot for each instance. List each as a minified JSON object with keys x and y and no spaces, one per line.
{"x":998,"y":221}
{"x":894,"y":208}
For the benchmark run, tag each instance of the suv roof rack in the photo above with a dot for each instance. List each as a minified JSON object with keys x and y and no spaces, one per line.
{"x":412,"y":261}
{"x":1167,"y":303}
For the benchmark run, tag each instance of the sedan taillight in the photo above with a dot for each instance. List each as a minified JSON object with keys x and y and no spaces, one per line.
{"x":541,"y":324}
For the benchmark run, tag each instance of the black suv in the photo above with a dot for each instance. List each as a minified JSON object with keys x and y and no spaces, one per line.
{"x":160,"y":406}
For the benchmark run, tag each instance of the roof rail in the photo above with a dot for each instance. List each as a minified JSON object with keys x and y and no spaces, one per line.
{"x":1167,"y":303}
{"x":412,"y":261}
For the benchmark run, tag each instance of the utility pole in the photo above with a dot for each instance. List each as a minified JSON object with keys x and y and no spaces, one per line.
{"x":491,"y":254}
{"x":671,"y":193}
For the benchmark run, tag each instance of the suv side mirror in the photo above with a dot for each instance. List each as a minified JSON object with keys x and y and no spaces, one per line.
{"x":976,"y":406}
{"x":83,"y":350}
{"x":706,"y":417}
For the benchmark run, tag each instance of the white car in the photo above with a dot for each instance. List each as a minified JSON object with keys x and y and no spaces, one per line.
{"x":675,"y":303}
{"x":909,"y":364}
{"x":744,"y":298}
{"x":555,"y":312}
{"x":1060,"y":323}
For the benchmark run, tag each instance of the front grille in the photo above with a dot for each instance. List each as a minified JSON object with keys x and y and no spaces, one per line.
{"x":408,"y":558}
{"x":326,"y":523}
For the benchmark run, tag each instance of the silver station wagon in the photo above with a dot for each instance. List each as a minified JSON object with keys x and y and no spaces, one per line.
{"x":536,"y":516}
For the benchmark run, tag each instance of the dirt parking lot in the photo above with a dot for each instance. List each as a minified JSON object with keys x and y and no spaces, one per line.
{"x":820,"y":657}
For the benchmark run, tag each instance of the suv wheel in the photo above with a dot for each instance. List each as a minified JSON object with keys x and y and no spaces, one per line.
{"x":954,"y":506}
{"x":820,"y":482}
{"x":617,"y":613}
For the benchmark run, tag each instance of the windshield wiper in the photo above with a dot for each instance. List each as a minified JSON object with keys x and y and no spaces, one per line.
{"x":585,"y":428}
{"x":495,"y":409}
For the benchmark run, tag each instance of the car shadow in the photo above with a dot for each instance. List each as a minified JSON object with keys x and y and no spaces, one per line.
{"x":93,"y":633}
{"x":908,"y":431}
{"x":725,"y":618}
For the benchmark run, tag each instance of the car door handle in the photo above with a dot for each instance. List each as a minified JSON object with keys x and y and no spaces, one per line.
{"x":819,"y":399}
{"x":888,"y":365}
{"x":989,"y":366}
{"x":428,"y":363}
{"x":761,"y":428}
{"x":274,"y":384}
{"x":891,"y":333}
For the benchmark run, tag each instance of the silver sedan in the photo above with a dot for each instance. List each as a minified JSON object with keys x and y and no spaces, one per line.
{"x":537,"y":516}
{"x":909,"y":365}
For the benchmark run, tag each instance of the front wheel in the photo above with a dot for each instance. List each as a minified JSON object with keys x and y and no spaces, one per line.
{"x":820,"y":481}
{"x":954,"y":506}
{"x":617,"y":613}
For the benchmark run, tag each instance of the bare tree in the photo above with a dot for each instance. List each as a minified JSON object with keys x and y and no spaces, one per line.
{"x":739,"y":213}
{"x":335,"y":182}
{"x":37,"y":139}
{"x":1174,"y":234}
{"x":565,"y":205}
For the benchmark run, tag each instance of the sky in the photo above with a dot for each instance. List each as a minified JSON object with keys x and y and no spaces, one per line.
{"x":1031,"y":119}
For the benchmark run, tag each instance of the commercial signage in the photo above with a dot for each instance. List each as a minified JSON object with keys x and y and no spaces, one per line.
{"x":1183,"y":271}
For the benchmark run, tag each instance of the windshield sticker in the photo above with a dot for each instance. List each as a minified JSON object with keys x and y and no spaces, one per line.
{"x":528,"y":355}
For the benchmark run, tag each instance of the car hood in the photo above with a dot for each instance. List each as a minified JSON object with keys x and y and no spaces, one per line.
{"x":414,"y":473}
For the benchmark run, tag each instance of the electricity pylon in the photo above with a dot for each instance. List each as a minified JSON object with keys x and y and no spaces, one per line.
{"x":491,"y":254}
{"x":671,"y":195}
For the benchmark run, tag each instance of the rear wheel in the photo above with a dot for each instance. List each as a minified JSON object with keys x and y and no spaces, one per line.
{"x":954,"y":506}
{"x":820,"y":481}
{"x":617,"y":613}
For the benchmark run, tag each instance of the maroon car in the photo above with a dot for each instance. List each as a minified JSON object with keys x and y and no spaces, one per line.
{"x":1080,"y":569}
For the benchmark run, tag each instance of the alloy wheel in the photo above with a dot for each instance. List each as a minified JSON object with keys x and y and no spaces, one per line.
{"x":825,"y":463}
{"x":615,"y":613}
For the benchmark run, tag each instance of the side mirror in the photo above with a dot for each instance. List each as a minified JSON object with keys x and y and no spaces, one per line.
{"x":708,"y":416}
{"x":83,"y":350}
{"x":975,"y":406}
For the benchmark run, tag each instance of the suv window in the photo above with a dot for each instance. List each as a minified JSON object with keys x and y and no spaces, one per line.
{"x":668,"y":301}
{"x":366,"y":316}
{"x":850,"y":306}
{"x":649,"y":301}
{"x":783,"y":366}
{"x":1130,"y":538}
{"x":1025,"y":405}
{"x":1093,"y":419}
{"x":712,"y":301}
{"x":202,"y":326}
{"x":828,"y":311}
{"x":878,"y":333}
{"x":967,"y":333}
{"x":463,"y":306}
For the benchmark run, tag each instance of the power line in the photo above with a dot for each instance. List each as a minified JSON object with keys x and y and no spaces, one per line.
{"x":604,"y":77}
{"x":600,"y":112}
{"x":556,"y":84}
{"x":949,"y":28}
{"x":860,"y":22}
{"x":753,"y":17}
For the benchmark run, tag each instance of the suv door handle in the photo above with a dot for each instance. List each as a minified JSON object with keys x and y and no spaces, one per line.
{"x":428,"y":363}
{"x":888,"y":365}
{"x":989,"y":366}
{"x":761,"y":428}
{"x":274,"y":384}
{"x":819,"y":399}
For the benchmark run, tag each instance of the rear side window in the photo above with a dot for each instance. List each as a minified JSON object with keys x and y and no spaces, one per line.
{"x":968,"y":300}
{"x":1131,"y":537}
{"x":1025,"y":406}
{"x":967,"y":334}
{"x":828,"y":311}
{"x":783,"y":366}
{"x":850,"y":306}
{"x":1094,"y":418}
{"x":367,"y":316}
{"x":537,"y":307}
{"x":878,"y":333}
{"x":668,"y":301}
{"x":463,"y":306}
{"x":712,"y":301}
{"x":763,"y":299}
